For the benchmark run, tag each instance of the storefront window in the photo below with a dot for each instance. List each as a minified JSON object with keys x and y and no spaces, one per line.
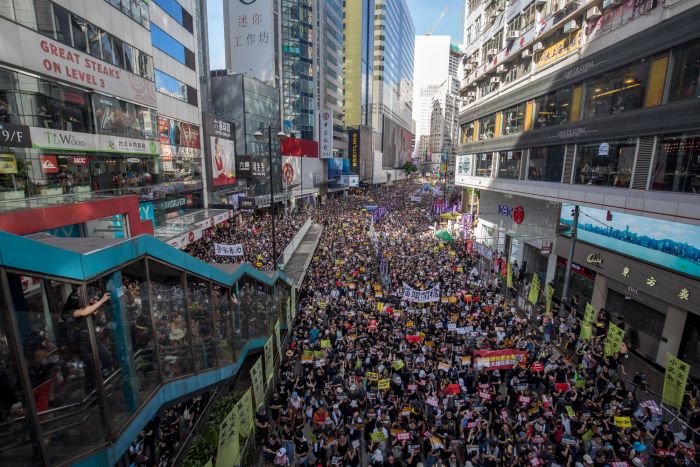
{"x":487,"y":127}
{"x":581,"y":282}
{"x":606,"y":163}
{"x":514,"y":119}
{"x":483,"y":164}
{"x":201,"y":323}
{"x":120,"y":118}
{"x":509,"y":164}
{"x":617,"y":91}
{"x":553,"y":108}
{"x":685,"y":73}
{"x":677,"y":164}
{"x":546,"y":163}
{"x":466,"y":133}
{"x":170,"y":319}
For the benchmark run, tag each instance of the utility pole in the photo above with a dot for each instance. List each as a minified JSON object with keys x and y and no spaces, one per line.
{"x":570,"y":259}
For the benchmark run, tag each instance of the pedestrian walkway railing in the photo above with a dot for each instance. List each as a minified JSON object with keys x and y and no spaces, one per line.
{"x":286,"y":255}
{"x":84,"y":387}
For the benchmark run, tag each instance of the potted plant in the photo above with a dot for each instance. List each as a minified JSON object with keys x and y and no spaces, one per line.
{"x":51,"y":190}
{"x":10,"y":193}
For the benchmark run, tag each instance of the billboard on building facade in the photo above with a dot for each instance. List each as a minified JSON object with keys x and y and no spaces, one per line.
{"x":223,"y":153}
{"x":250,"y":38}
{"x":397,"y":143}
{"x":338,"y":172}
{"x":667,"y":244}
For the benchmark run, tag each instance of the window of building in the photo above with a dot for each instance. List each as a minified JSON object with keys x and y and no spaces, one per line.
{"x":134,"y":9}
{"x":487,"y":127}
{"x":546,"y":163}
{"x":79,"y":27}
{"x":61,"y":18}
{"x":677,"y":164}
{"x":617,"y":91}
{"x":466,"y":133}
{"x":119,"y":118}
{"x":178,"y":13}
{"x":605,"y":163}
{"x":6,"y":9}
{"x":553,"y":108}
{"x":166,"y":84}
{"x":685,"y":73}
{"x":514,"y":119}
{"x":527,"y":18}
{"x":483,"y":164}
{"x":167,"y":44}
{"x":509,"y":164}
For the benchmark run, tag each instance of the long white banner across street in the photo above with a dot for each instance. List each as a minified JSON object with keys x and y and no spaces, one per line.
{"x":228,"y":250}
{"x":421,"y":296}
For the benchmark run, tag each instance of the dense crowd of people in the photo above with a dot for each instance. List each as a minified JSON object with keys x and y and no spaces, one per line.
{"x":255,"y":234}
{"x":371,"y":378}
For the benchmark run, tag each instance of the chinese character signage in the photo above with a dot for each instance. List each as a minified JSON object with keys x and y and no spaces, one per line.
{"x":243,"y":166}
{"x":228,"y":250}
{"x":326,"y":134}
{"x":258,"y":168}
{"x":250,"y":38}
{"x":229,"y":444}
{"x":534,"y":293}
{"x":563,"y":47}
{"x":257,"y":378}
{"x":614,"y":340}
{"x":674,"y":381}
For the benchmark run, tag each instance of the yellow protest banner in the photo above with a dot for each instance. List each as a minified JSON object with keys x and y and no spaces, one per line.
{"x":278,"y":338}
{"x":623,"y":422}
{"x":380,"y":306}
{"x":589,"y":315}
{"x":244,"y":413}
{"x":570,"y":411}
{"x":534,"y":293}
{"x":509,"y":275}
{"x":586,"y":332}
{"x":268,"y":350}
{"x":377,"y":437}
{"x":675,"y":380}
{"x":383,"y":384}
{"x":613,"y":341}
{"x":325,"y":343}
{"x":257,"y":378}
{"x":397,"y":365}
{"x":229,"y":444}
{"x":549,"y":293}
{"x":371,"y":376}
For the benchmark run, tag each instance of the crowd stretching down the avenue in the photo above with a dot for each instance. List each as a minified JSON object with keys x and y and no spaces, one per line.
{"x":370,"y":378}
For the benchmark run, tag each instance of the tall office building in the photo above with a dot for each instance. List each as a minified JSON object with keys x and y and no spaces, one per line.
{"x":331,"y":86}
{"x":436,"y":60}
{"x":392,"y":95}
{"x":359,"y":63}
{"x":300,"y":64}
{"x":590,"y":106}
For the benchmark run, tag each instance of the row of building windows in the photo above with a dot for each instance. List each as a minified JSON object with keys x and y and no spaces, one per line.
{"x":134,"y":9}
{"x":55,"y":22}
{"x":164,"y":42}
{"x":41,"y":103}
{"x":633,"y":86}
{"x":676,"y":163}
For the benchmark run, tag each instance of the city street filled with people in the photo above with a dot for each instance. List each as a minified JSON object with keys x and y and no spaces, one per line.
{"x":404,"y":352}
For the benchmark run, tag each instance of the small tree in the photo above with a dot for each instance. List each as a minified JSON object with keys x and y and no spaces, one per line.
{"x":409,"y":168}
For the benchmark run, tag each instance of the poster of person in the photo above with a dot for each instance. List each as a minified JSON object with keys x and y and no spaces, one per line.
{"x":223,"y":161}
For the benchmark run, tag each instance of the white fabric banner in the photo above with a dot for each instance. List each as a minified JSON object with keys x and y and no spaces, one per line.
{"x":415,"y":199}
{"x":228,"y":250}
{"x":421,"y":296}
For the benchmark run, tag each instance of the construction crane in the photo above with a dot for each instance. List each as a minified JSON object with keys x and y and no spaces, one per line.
{"x":437,"y":21}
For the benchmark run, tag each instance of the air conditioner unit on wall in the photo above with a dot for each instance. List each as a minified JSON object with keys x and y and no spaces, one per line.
{"x":611,"y":3}
{"x":501,"y":69}
{"x":526,"y":53}
{"x":537,"y":47}
{"x":593,"y":13}
{"x":571,"y":26}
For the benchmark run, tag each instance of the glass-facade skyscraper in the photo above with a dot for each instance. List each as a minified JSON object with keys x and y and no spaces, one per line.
{"x":359,"y":65}
{"x":298,"y":67}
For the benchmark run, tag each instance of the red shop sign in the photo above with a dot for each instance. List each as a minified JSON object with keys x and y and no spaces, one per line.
{"x":49,"y":164}
{"x":79,"y":160}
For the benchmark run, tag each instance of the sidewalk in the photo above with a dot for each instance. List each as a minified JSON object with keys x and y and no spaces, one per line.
{"x":298,"y":264}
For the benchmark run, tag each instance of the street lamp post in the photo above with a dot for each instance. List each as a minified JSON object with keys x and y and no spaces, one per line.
{"x":259,"y":136}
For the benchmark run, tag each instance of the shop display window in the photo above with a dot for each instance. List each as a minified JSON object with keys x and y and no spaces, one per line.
{"x":509,"y":164}
{"x":553,"y":108}
{"x":546,"y":163}
{"x":605,"y":163}
{"x":514,"y":119}
{"x":677,"y":164}
{"x":487,"y":127}
{"x":685,"y":72}
{"x":616,"y":91}
{"x":120,"y":118}
{"x":483,"y":164}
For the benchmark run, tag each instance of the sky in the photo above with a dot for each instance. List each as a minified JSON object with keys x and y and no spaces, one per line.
{"x":425,"y":12}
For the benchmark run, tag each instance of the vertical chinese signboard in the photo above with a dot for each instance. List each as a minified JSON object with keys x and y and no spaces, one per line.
{"x":250,"y":38}
{"x":674,"y":381}
{"x":326,"y":134}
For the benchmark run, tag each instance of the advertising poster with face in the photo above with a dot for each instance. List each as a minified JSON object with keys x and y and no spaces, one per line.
{"x":223,"y":161}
